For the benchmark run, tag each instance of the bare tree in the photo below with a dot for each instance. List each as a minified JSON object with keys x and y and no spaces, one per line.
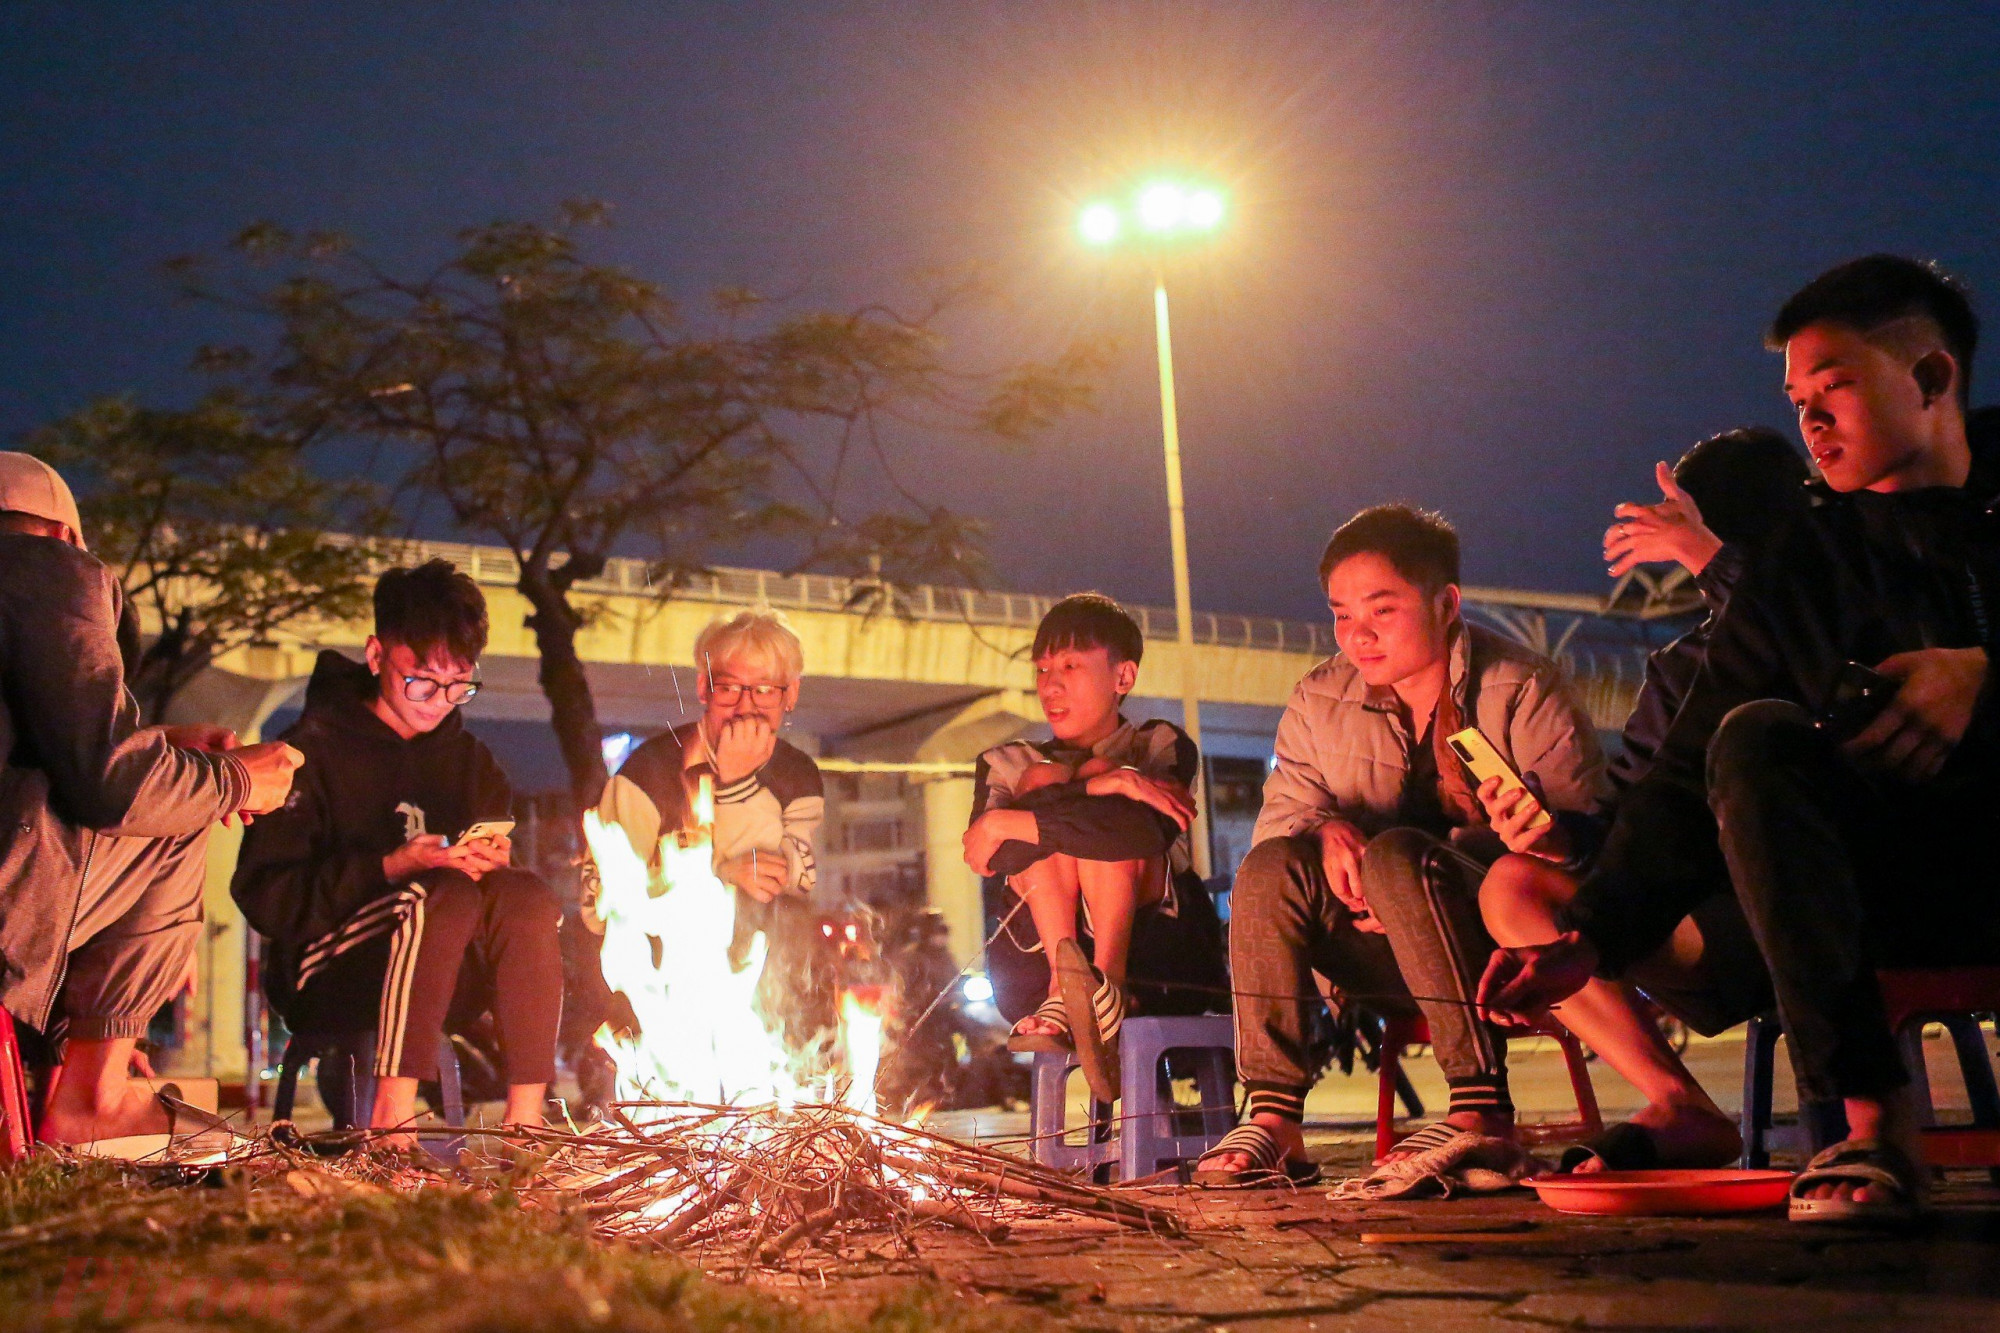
{"x":563,"y":408}
{"x":212,"y":523}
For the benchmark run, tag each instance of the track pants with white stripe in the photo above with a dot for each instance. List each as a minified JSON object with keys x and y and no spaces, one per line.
{"x":492,"y":943}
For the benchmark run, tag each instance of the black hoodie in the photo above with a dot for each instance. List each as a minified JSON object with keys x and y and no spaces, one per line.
{"x":312,"y":867}
{"x":1857,"y":578}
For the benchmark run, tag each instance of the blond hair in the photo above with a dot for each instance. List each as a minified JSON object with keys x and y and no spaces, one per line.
{"x":760,"y":635}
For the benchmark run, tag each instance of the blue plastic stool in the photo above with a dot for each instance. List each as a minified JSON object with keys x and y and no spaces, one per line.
{"x":1142,"y":1141}
{"x":355,"y":1053}
{"x":1820,"y":1127}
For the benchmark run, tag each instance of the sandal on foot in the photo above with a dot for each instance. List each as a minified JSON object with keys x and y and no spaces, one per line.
{"x":1096,"y":1006}
{"x":1442,"y":1161}
{"x":1626,"y":1147}
{"x":1052,"y":1012}
{"x":1861,"y":1162}
{"x":1268,"y":1164}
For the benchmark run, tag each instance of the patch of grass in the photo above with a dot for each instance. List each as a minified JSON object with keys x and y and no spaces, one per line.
{"x":85,"y":1247}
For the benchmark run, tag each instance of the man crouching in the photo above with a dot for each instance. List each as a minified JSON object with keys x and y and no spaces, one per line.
{"x":1374,"y":838}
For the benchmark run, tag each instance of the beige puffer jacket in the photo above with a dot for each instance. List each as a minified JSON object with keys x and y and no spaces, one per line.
{"x":1343,"y":749}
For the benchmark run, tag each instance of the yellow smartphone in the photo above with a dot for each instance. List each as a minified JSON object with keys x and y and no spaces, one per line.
{"x":487,"y":828}
{"x":1485,"y":762}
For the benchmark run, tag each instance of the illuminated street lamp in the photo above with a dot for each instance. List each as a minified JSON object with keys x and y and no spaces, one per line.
{"x":1163,"y":215}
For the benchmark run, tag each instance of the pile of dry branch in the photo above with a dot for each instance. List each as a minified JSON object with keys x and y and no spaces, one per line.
{"x":731,"y":1188}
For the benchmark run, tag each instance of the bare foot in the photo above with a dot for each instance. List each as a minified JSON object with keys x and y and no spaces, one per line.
{"x":72,"y":1119}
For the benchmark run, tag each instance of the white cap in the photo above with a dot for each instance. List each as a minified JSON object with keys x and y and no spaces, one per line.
{"x":30,"y":486}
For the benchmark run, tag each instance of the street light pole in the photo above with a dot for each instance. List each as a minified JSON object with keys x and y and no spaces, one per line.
{"x":1163,"y":214}
{"x":1170,"y":430}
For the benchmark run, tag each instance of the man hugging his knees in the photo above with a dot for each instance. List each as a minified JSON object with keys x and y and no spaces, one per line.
{"x":769,"y":801}
{"x":377,"y":910}
{"x":1373,"y":840}
{"x":1090,"y":829}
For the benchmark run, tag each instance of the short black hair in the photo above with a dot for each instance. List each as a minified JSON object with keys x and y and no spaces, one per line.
{"x":431,"y":606}
{"x":1090,"y":620}
{"x":1867,"y":293}
{"x":1421,"y":543}
{"x":1746,"y":482}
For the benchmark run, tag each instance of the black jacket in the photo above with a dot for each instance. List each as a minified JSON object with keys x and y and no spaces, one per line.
{"x":78,"y":766}
{"x":1670,"y":673}
{"x":1859,"y":577}
{"x":314,"y":864}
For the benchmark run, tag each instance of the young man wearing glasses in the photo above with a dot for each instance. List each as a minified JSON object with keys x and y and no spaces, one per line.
{"x":376,"y":909}
{"x":769,"y":801}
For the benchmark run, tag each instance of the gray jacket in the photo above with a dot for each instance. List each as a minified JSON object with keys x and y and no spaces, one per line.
{"x":78,"y":765}
{"x":1342,"y":748}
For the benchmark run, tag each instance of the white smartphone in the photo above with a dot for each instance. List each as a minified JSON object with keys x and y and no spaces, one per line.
{"x":487,"y":828}
{"x":1485,"y":762}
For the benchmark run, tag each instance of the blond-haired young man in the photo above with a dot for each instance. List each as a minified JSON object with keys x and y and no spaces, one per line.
{"x":769,"y":799}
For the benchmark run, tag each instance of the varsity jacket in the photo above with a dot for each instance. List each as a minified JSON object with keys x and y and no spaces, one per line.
{"x":777,"y":809}
{"x":310,"y":877}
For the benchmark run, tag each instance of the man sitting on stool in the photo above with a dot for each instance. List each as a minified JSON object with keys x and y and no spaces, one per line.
{"x":370,"y":897}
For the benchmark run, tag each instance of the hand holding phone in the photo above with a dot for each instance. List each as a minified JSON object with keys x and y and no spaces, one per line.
{"x":1484,"y":762}
{"x":1858,"y":697}
{"x":487,"y":828}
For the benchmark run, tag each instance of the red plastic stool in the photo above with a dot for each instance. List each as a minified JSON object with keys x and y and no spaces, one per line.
{"x":1413,"y":1031}
{"x":17,"y":1129}
{"x":1913,"y":995}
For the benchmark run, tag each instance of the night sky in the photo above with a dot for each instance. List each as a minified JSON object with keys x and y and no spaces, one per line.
{"x":1495,"y":259}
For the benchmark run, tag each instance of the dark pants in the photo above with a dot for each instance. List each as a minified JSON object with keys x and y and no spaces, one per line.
{"x":1840,"y":873}
{"x":1286,"y":925}
{"x":490,"y":943}
{"x":1175,"y":965}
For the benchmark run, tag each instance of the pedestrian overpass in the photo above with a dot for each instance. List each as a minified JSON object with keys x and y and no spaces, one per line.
{"x":912,"y":682}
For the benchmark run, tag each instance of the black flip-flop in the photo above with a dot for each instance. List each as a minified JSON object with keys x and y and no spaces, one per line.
{"x":1626,"y":1147}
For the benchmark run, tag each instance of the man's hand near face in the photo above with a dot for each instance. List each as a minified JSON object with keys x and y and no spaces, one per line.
{"x":1340,"y":848}
{"x":762,"y":875}
{"x":1670,"y":530}
{"x":1914,"y":735}
{"x":745,"y":745}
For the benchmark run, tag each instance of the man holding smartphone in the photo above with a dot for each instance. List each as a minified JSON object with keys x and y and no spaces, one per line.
{"x":1373,"y":840}
{"x":1849,"y":850}
{"x":376,"y":909}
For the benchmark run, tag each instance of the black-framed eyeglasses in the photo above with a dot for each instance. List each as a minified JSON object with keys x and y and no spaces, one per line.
{"x":423,"y":689}
{"x":728,"y":693}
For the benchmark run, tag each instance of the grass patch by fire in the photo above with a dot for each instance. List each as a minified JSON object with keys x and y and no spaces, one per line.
{"x":86,"y":1246}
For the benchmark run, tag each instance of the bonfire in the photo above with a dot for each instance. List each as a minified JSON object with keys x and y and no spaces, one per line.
{"x":716,"y":1145}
